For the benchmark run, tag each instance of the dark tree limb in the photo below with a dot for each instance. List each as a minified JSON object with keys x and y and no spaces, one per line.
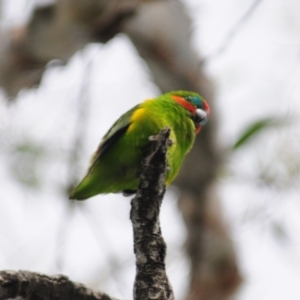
{"x":151,"y":281}
{"x":27,"y":285}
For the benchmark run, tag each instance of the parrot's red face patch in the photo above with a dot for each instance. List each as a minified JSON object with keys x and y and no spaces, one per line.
{"x":199,"y":115}
{"x":206,"y":107}
{"x":187,"y":105}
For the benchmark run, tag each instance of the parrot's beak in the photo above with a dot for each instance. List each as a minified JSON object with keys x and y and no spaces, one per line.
{"x":201,"y":117}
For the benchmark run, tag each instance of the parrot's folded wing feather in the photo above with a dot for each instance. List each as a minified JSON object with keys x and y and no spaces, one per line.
{"x":105,"y":145}
{"x":114,"y":133}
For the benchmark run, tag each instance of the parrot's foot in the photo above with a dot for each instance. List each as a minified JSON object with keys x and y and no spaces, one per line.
{"x":153,"y":138}
{"x":128,"y":193}
{"x":171,"y":142}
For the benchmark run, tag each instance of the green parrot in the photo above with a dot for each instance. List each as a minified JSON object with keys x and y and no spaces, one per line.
{"x":116,"y":164}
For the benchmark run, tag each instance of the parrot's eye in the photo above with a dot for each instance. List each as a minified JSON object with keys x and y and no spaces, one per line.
{"x":200,"y":117}
{"x":194,"y":100}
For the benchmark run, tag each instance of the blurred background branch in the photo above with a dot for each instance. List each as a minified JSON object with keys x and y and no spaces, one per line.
{"x":57,"y":31}
{"x":233,"y":32}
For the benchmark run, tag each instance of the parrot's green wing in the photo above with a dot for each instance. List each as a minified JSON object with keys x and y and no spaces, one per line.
{"x":114,"y":133}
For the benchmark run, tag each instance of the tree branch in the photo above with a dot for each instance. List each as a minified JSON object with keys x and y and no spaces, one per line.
{"x":151,"y":281}
{"x":232,"y":33}
{"x":32,"y":286}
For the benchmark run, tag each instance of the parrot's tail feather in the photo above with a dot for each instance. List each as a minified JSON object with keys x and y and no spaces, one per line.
{"x":73,"y":196}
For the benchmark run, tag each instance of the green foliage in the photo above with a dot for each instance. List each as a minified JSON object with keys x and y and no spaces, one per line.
{"x":255,"y":128}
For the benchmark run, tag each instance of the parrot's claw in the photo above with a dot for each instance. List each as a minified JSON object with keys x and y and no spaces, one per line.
{"x":153,"y":138}
{"x":171,"y":142}
{"x":128,"y":193}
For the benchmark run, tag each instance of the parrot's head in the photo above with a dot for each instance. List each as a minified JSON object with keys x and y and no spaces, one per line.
{"x":196,"y":106}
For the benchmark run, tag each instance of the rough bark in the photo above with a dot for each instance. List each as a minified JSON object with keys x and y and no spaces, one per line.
{"x":26,"y":285}
{"x":151,"y":281}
